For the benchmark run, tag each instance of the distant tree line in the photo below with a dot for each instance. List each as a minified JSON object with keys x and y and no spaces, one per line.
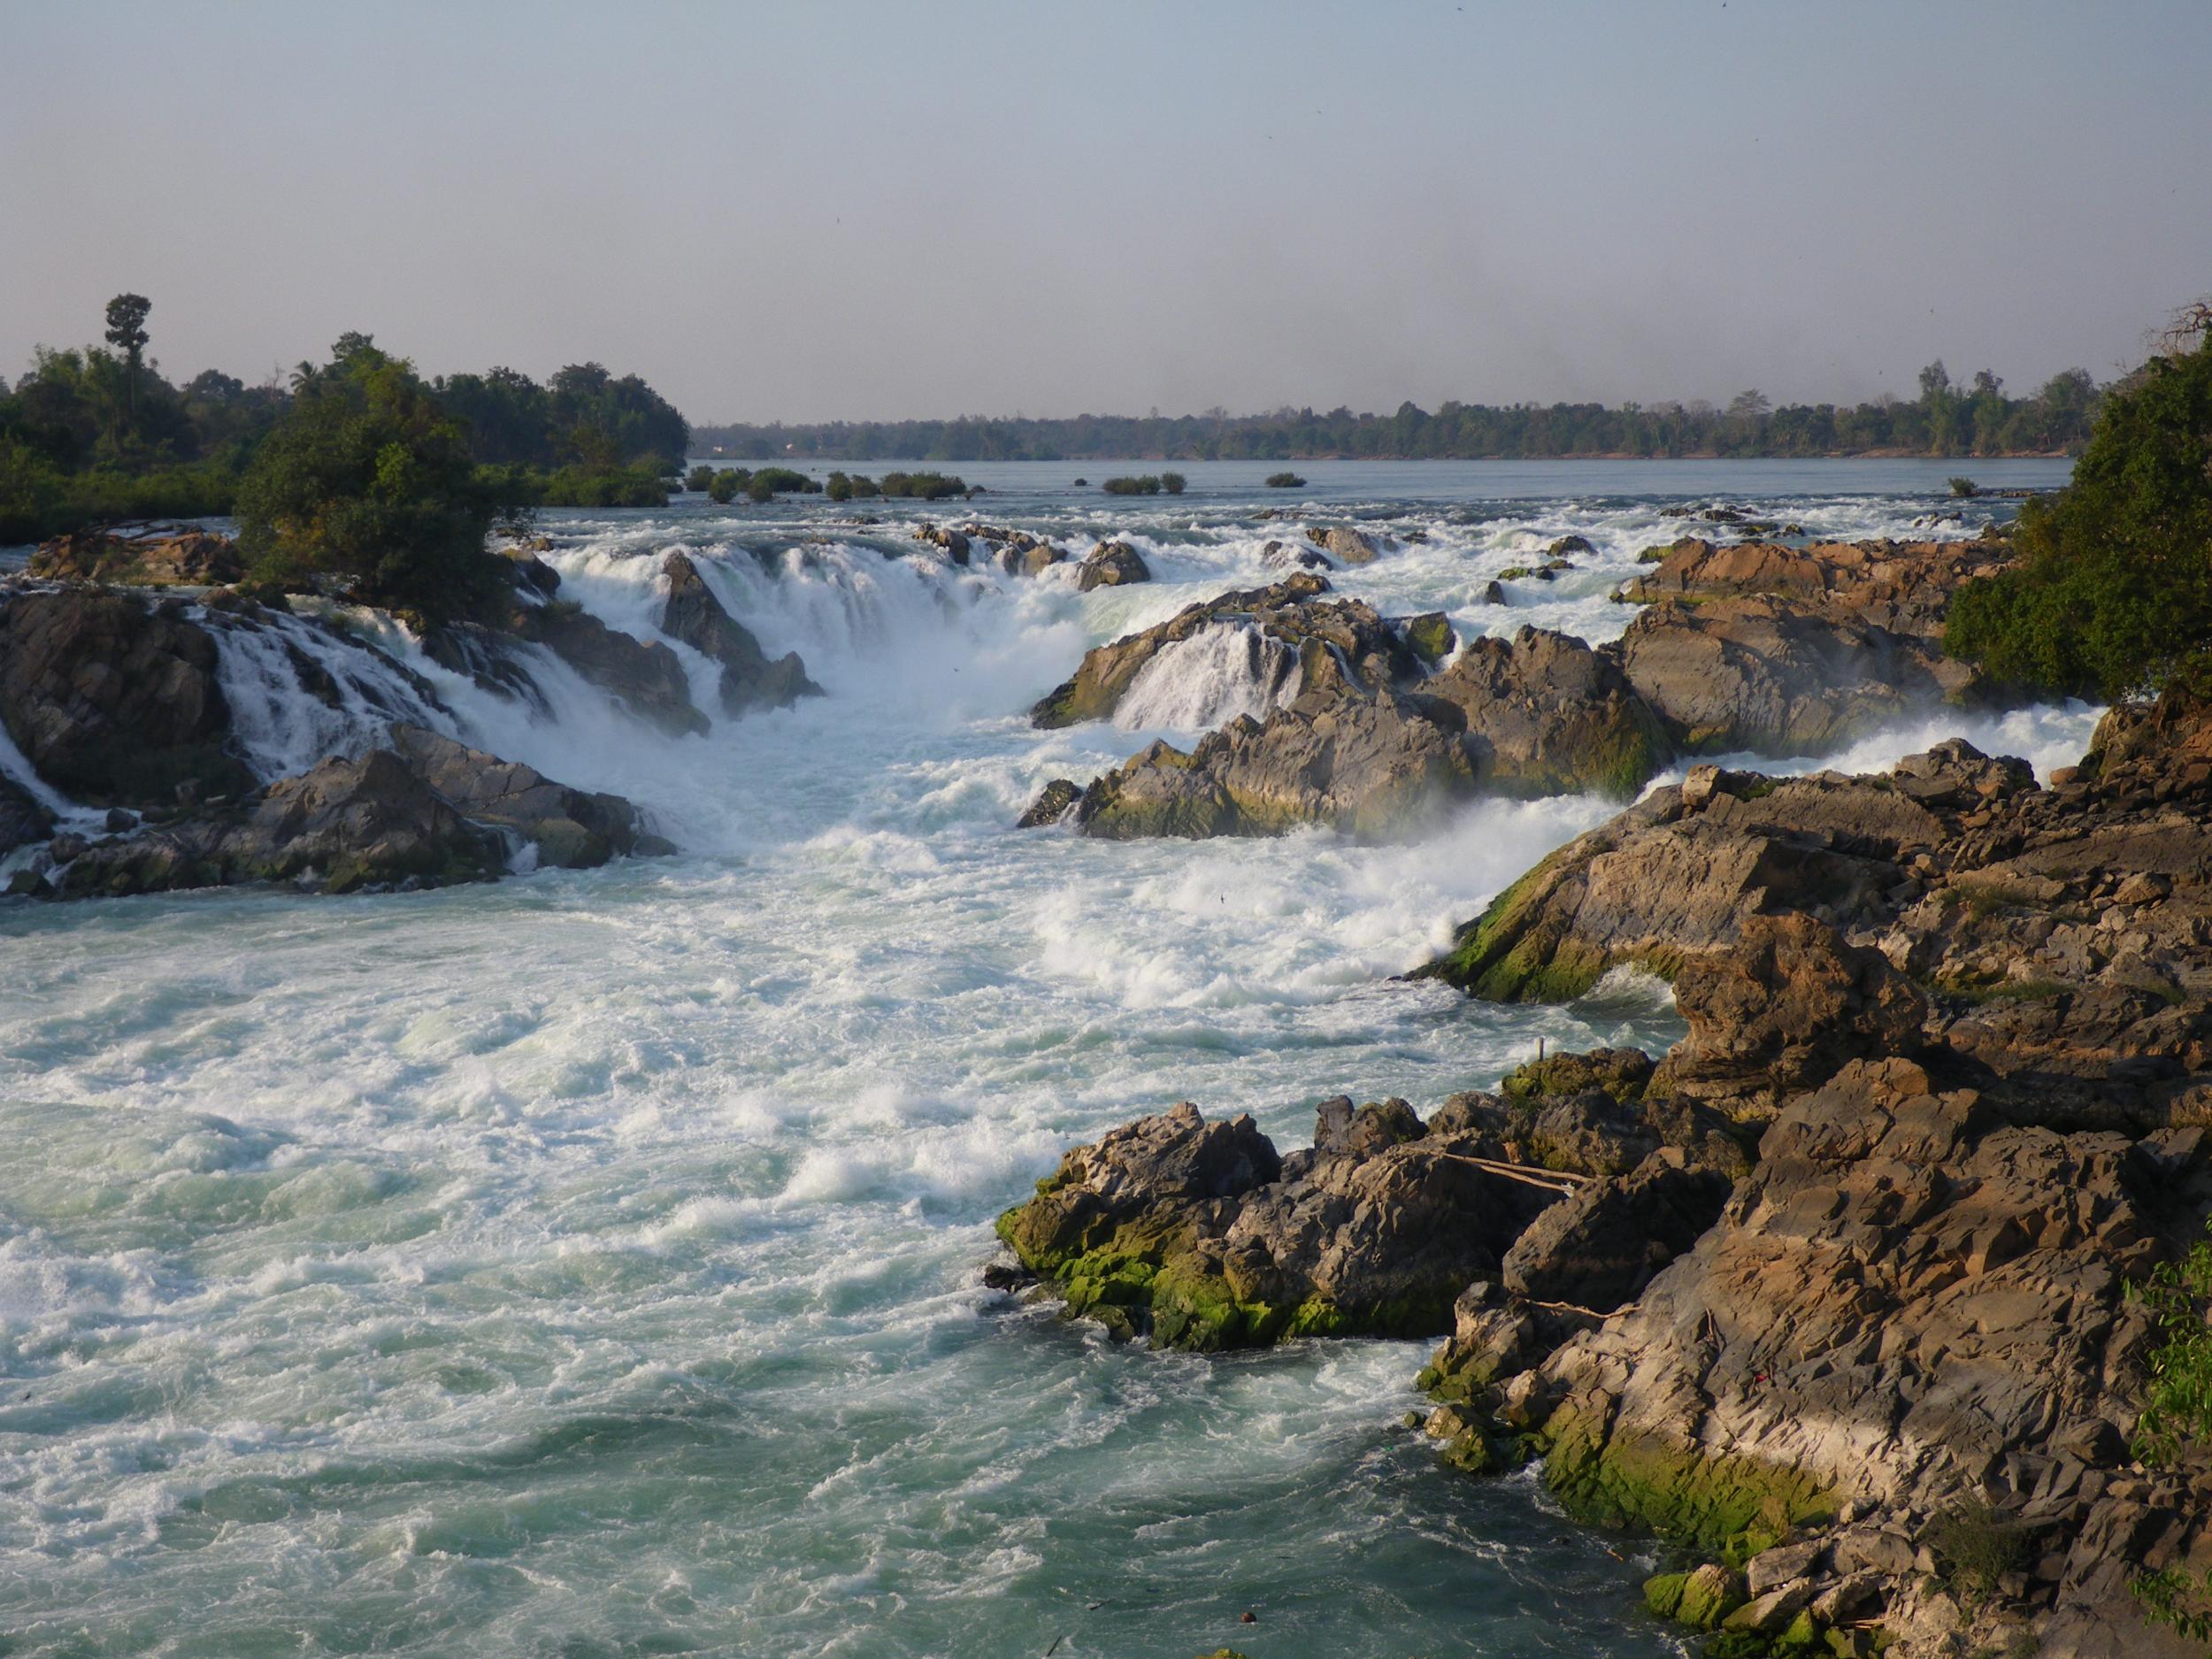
{"x":1976,"y":417}
{"x":97,"y":434}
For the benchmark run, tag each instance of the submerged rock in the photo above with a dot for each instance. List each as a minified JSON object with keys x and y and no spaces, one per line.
{"x":750,"y":679}
{"x":1052,"y":804}
{"x":1353,"y":547}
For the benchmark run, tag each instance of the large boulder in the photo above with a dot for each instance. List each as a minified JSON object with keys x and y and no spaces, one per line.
{"x":1371,"y":766}
{"x":1599,"y":1248}
{"x":1545,"y":715}
{"x":346,"y":823}
{"x":1201,"y":1236}
{"x":115,"y":702}
{"x":571,"y":828}
{"x":1353,"y":547}
{"x":155,"y":556}
{"x":1335,"y":639}
{"x":1768,"y":676}
{"x":647,"y":679}
{"x":1112,"y":564}
{"x":750,"y":679}
{"x":423,"y":811}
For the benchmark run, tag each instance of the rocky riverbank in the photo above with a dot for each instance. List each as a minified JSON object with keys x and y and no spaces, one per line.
{"x":1365,"y":725}
{"x":1833,"y":1296}
{"x":113,"y":679}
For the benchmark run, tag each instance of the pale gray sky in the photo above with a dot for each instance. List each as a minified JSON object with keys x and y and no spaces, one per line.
{"x":810,"y":211}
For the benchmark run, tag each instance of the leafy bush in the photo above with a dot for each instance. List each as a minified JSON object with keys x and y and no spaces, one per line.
{"x":699,"y":479}
{"x":1975,"y":1545}
{"x":924,"y":485}
{"x":1284,"y":481}
{"x":837,"y":487}
{"x":38,"y":500}
{"x":782,"y":480}
{"x":2177,"y":1415}
{"x":725,"y":484}
{"x":1148,"y":485}
{"x":1172,"y":482}
{"x":2177,"y":1412}
{"x":607,"y":486}
{"x":2112,"y":592}
{"x":1962,"y":487}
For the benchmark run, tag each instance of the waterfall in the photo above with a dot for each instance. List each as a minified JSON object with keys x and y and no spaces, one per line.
{"x":1222,"y":670}
{"x":300,"y":691}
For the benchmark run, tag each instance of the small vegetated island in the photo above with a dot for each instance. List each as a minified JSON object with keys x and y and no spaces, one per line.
{"x":1882,"y":1297}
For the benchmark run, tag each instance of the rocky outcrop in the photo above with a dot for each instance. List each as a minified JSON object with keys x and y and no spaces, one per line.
{"x":647,"y":679}
{"x":1769,"y":676}
{"x":1201,"y":1236}
{"x":1679,"y":873}
{"x":155,"y":557}
{"x":424,"y":811}
{"x":1896,"y":1382}
{"x":1903,"y":588}
{"x":1910,"y":1321}
{"x":1759,"y":648}
{"x":1112,"y":564}
{"x":750,"y":679}
{"x":1784,"y":650}
{"x":1879,"y":1369}
{"x":574,"y":829}
{"x":1537,"y":715}
{"x":1338,"y":640}
{"x":113,"y":701}
{"x":347,"y":824}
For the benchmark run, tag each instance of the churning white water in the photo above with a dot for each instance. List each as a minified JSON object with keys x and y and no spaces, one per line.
{"x":587,"y":1264}
{"x":1222,"y":670}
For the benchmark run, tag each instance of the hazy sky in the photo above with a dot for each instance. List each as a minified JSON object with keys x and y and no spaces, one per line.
{"x":815,"y":211}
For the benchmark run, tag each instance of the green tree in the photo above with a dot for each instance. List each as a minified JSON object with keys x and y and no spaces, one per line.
{"x":126,"y":333}
{"x":2112,"y":593}
{"x":367,"y":482}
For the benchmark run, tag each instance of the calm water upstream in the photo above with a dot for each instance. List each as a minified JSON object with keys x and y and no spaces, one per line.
{"x":587,"y":1264}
